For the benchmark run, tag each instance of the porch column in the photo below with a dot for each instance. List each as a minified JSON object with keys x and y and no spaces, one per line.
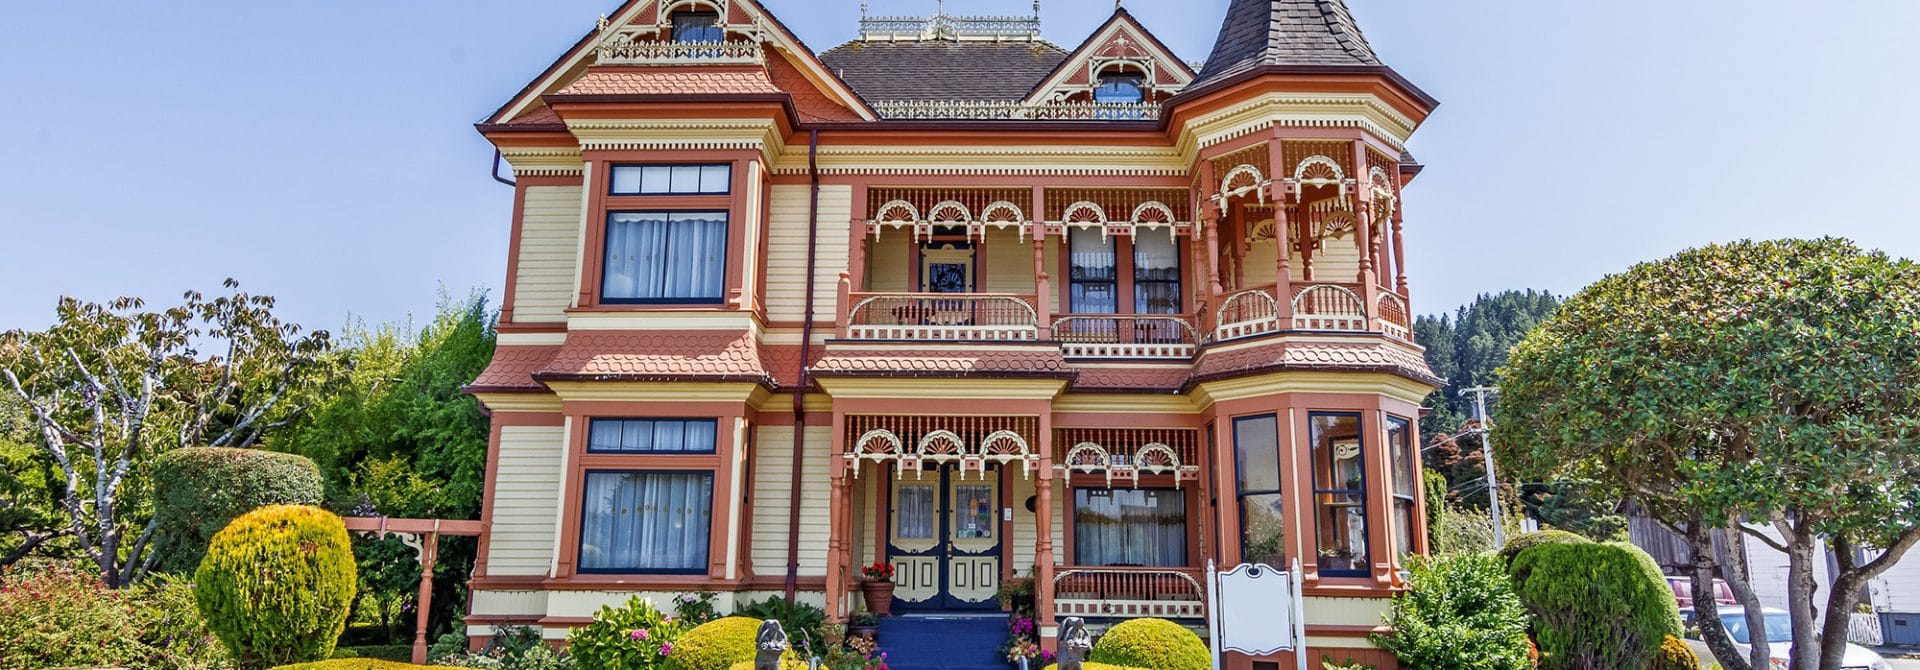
{"x":1282,"y":270}
{"x":1042,"y":288}
{"x":839,"y":547}
{"x":1305,"y":244}
{"x":1214,"y":289}
{"x":1363,"y":220}
{"x":1399,"y":242}
{"x":1043,"y":531}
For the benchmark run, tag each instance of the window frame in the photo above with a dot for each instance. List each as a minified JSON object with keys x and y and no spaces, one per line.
{"x":711,"y":449}
{"x":614,"y":169}
{"x":580,"y":539}
{"x":1178,"y":283}
{"x":1366,"y":516}
{"x":1241,"y":493}
{"x":725,"y":251}
{"x":1074,"y":282}
{"x":673,"y":26}
{"x":1404,"y":450}
{"x":1186,"y":527}
{"x":1138,"y":79}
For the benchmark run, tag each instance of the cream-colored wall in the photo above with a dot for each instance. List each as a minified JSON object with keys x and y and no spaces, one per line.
{"x":1024,"y":531}
{"x":1338,"y":260}
{"x":1259,"y":263}
{"x":525,"y":496}
{"x":890,"y":262}
{"x":787,"y":250}
{"x":549,"y":243}
{"x":1055,"y":277}
{"x":772,"y":500}
{"x":1008,"y":264}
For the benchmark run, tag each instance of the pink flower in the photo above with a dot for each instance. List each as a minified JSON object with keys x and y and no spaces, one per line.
{"x":666,"y":649}
{"x":639,"y":634}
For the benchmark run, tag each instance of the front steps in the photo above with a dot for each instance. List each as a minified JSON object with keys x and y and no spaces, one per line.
{"x":944,"y":641}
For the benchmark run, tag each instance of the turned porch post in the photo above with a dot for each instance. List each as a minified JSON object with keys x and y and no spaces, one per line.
{"x":1363,"y":222}
{"x":429,"y":554}
{"x":1042,"y":287}
{"x":839,"y":547}
{"x":1043,"y":527}
{"x":1282,"y":266}
{"x":1399,"y":242}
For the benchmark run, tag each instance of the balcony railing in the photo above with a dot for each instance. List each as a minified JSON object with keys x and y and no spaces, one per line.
{"x":1395,"y":321}
{"x":1328,"y":307}
{"x":1129,"y":593}
{"x":996,"y":110}
{"x":1247,"y":313}
{"x":619,"y":50}
{"x":1126,"y":336}
{"x":943,"y":316}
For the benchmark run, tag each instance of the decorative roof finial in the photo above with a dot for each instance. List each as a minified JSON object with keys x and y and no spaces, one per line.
{"x":863,"y":11}
{"x":940,"y":8}
{"x":1036,"y":9}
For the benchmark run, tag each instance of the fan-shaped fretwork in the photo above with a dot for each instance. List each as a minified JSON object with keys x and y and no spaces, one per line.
{"x":1156,"y":458}
{"x":949,"y":212}
{"x":1085,"y":213}
{"x":941,"y":445}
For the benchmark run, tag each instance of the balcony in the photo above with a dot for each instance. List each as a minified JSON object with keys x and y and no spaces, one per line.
{"x":1126,"y":593}
{"x":620,"y":51}
{"x":951,"y":317}
{"x":1319,"y":307}
{"x":1126,"y":336}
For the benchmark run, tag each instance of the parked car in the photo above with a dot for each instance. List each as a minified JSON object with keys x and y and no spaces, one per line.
{"x":1779,"y":635}
{"x":1683,"y":591}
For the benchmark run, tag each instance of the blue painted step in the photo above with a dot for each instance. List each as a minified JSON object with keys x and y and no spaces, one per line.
{"x":944,"y":642}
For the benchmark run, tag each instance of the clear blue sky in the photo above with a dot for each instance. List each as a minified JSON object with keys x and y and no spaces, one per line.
{"x":324,"y":153}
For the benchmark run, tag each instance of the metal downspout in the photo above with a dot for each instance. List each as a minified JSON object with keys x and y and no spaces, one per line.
{"x":800,"y":377}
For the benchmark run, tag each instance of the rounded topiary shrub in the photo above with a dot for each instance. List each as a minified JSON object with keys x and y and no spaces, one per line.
{"x":1090,"y":665}
{"x":1674,"y":654}
{"x":1152,"y":643}
{"x":786,"y":663}
{"x":197,"y":492}
{"x":1525,"y":541}
{"x":1595,"y":605}
{"x":718,"y":645}
{"x":276,"y":584}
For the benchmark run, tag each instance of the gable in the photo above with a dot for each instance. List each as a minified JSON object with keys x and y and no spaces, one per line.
{"x":632,"y":46}
{"x":1119,"y":45}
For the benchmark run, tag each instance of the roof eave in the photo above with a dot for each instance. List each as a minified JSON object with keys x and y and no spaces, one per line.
{"x":1200,"y":89}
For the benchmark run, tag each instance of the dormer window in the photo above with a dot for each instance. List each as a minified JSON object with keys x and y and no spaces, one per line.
{"x":697,"y":28}
{"x":1119,"y":88}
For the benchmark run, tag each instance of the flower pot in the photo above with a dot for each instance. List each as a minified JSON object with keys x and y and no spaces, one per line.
{"x":867,"y":632}
{"x":879,"y":596}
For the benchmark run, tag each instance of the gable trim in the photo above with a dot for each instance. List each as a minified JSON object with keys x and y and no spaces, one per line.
{"x":1077,"y":57}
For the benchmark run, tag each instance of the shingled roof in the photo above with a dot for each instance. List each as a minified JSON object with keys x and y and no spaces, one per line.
{"x":943,"y":70}
{"x":1262,"y":33}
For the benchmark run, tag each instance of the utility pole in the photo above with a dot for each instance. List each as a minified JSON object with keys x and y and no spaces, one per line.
{"x":1486,"y":450}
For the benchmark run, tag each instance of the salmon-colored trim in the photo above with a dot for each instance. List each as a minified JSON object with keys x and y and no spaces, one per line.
{"x":486,"y":499}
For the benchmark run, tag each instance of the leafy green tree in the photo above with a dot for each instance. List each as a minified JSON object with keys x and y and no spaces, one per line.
{"x":1775,"y":381}
{"x":29,"y":490}
{"x":110,"y":386}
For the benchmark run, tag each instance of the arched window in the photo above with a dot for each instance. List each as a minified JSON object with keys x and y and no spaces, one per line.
{"x":697,"y":28}
{"x":1119,"y":88}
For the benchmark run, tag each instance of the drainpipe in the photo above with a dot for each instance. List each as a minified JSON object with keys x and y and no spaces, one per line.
{"x":496,"y":170}
{"x":800,"y":377}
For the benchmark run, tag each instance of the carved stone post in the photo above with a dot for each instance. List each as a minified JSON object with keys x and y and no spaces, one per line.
{"x":770,"y":645}
{"x":1075,"y":643}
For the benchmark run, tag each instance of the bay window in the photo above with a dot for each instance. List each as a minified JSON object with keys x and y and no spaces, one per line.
{"x":1129,"y":527}
{"x":1406,"y":481}
{"x":665,"y":257}
{"x":1256,"y":461}
{"x":1339,"y":493}
{"x":646,"y":522}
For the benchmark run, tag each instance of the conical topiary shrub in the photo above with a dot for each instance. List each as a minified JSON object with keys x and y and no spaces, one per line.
{"x":276,"y":583}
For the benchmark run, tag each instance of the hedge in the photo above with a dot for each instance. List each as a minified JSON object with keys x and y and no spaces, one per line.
{"x":198,"y":491}
{"x":718,"y":645}
{"x":1595,"y":605}
{"x":1090,"y":665}
{"x":1152,"y":643}
{"x":355,"y":664}
{"x":276,"y":585}
{"x":1525,"y":541}
{"x":1674,"y":654}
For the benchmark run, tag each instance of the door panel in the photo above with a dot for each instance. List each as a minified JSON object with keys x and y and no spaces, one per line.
{"x":915,"y":537}
{"x":944,"y":541}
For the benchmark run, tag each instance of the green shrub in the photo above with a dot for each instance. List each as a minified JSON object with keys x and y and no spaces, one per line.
{"x":384,"y":652}
{"x":800,"y":620}
{"x":58,"y":616}
{"x":718,"y":645}
{"x":276,"y":584}
{"x":1595,"y":605}
{"x":197,"y":492}
{"x":354,"y":664}
{"x":634,"y":636}
{"x":785,"y":664}
{"x":1523,"y":542}
{"x":1152,"y":643}
{"x":1461,"y":614}
{"x":1674,"y":654}
{"x":1090,"y":665}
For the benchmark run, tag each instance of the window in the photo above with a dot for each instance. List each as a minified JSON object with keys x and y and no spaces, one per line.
{"x":1340,"y":493}
{"x":661,"y":257}
{"x":697,"y":28}
{"x":1256,"y":460}
{"x":671,"y":179}
{"x":651,"y":436}
{"x":1406,"y":481}
{"x":1156,"y":273}
{"x":1129,"y":527}
{"x":1092,"y":275}
{"x":1119,"y":88}
{"x":646,"y":522}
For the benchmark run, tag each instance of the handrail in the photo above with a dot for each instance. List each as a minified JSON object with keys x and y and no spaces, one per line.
{"x":1328,"y":307}
{"x":1126,"y":335}
{"x":625,"y":51}
{"x":1253,"y":312}
{"x":1395,"y":318}
{"x":942,"y":316}
{"x":1129,"y":592}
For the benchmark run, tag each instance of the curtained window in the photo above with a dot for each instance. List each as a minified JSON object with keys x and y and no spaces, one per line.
{"x":697,"y":27}
{"x":646,"y":522}
{"x":915,"y":516}
{"x":651,"y":436}
{"x":1156,"y":273}
{"x":671,"y":179}
{"x":1256,"y":454}
{"x":1406,"y":481}
{"x":661,"y":257}
{"x":1129,"y":527}
{"x":1340,"y":493}
{"x":1092,"y":273}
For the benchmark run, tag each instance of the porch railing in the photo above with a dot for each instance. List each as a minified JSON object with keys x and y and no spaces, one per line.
{"x":1247,"y":313}
{"x":1328,"y":307}
{"x":627,"y":51}
{"x":1393,"y":315}
{"x":1126,"y":336}
{"x":1129,"y":592}
{"x":942,"y":316}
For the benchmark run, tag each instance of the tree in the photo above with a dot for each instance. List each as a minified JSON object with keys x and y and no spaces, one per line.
{"x":1775,"y":381}
{"x":1467,"y":348}
{"x":109,"y":386}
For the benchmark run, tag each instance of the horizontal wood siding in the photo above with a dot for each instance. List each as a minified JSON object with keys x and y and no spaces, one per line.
{"x":1025,"y":538}
{"x":787,"y":251}
{"x":890,"y":262}
{"x":772,"y":499}
{"x":549,"y":244}
{"x":1008,"y":262}
{"x":525,"y":499}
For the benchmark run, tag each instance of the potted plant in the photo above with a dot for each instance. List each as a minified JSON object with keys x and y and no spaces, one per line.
{"x":876,"y":586}
{"x":864,"y":625}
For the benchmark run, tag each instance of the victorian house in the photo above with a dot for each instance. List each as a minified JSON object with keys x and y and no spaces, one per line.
{"x":951,"y":297}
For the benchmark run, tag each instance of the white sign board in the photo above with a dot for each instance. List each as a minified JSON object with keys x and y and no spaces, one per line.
{"x":1256,"y":609}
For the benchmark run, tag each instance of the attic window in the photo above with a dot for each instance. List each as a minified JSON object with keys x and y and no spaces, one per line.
{"x":1119,"y":88}
{"x":697,"y":28}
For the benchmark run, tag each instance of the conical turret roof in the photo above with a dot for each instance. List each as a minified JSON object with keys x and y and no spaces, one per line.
{"x":1286,"y":33}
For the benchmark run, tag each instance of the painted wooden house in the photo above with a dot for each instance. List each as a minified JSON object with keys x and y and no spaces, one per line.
{"x":953,"y":298}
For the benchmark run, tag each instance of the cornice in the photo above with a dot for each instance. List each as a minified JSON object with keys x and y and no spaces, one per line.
{"x":1355,"y":383}
{"x":543,"y":403}
{"x":945,"y":389}
{"x":762,"y":135}
{"x":630,"y":391}
{"x":543,"y":161}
